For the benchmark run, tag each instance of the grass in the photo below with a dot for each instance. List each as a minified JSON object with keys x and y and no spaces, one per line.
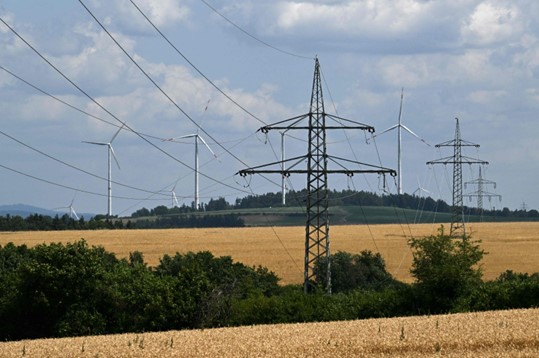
{"x":487,"y":334}
{"x":512,"y":246}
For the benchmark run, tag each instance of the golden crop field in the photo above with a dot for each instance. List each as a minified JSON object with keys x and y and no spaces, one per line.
{"x":512,"y":246}
{"x":489,"y":334}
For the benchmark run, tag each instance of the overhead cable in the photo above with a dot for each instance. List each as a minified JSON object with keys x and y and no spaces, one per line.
{"x":166,"y":95}
{"x":72,"y":166}
{"x":106,"y":110}
{"x":252,"y":36}
{"x":195,"y":67}
{"x":70,"y":105}
{"x":69,"y":187}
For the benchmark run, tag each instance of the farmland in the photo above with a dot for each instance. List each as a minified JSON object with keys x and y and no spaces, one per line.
{"x":512,"y":246}
{"x":486,"y":334}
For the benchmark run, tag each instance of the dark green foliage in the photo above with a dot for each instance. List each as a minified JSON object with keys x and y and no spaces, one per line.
{"x":69,"y":290}
{"x":365,"y":271}
{"x":53,"y":282}
{"x":292,"y":305}
{"x":226,"y":280}
{"x":190,"y":221}
{"x":38,"y":222}
{"x":509,"y":291}
{"x":446,"y":269}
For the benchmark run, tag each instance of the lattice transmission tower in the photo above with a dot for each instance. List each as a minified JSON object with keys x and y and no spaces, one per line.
{"x":480,"y":193}
{"x":458,"y":229}
{"x":317,"y":242}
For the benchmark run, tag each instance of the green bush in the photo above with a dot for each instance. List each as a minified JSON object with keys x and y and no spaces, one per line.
{"x":350,"y":272}
{"x":446,"y":270}
{"x":509,"y":291}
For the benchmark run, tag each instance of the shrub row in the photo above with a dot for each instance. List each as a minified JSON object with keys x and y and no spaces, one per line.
{"x":61,"y":290}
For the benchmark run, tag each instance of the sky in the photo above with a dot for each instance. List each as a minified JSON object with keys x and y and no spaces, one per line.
{"x":222,"y":70}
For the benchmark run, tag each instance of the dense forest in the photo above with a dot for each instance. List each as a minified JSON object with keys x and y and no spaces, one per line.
{"x":186,"y":217}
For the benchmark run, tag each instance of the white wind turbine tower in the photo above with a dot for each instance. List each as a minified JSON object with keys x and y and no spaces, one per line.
{"x":197,"y":138}
{"x":400,"y":126}
{"x":110,"y":152}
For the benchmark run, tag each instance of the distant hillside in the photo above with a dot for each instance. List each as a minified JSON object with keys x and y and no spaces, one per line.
{"x":338,"y":215}
{"x":24,"y":211}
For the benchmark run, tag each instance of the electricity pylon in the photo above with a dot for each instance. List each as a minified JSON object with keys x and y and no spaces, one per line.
{"x":480,"y":193}
{"x":457,"y":219}
{"x":317,"y":226}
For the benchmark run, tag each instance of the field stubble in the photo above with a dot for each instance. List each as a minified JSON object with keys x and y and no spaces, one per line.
{"x":488,"y":334}
{"x":512,"y":246}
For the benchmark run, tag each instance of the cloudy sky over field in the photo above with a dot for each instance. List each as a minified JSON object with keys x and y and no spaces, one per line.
{"x":471,"y":59}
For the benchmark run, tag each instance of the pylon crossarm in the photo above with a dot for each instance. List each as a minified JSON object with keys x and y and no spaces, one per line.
{"x":278,"y":125}
{"x":475,"y":194}
{"x":356,"y":125}
{"x":259,"y":168}
{"x":454,"y":143}
{"x":451,"y":160}
{"x":377,"y":169}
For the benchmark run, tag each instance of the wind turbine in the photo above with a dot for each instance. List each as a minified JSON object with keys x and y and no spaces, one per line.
{"x":111,"y":154}
{"x":420,"y":189}
{"x":72,"y":212}
{"x":400,"y":126}
{"x":197,"y":138}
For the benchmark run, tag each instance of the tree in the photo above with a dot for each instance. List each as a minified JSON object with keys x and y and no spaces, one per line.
{"x":364,"y":271}
{"x":445,"y":269}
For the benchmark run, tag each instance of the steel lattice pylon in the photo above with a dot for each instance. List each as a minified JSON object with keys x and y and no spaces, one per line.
{"x":317,"y":228}
{"x":458,"y":229}
{"x":317,"y":242}
{"x":480,"y":193}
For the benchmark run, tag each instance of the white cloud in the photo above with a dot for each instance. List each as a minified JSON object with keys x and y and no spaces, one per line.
{"x":490,"y":24}
{"x":368,"y":17}
{"x":163,"y":13}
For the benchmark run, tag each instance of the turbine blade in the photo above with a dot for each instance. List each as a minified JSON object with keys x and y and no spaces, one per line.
{"x":73,"y":200}
{"x":415,"y":135}
{"x":73,"y":213}
{"x":207,"y":105}
{"x":387,"y":130}
{"x":207,"y":146}
{"x":114,"y":155}
{"x":180,"y":137}
{"x":115,"y":134}
{"x":96,"y":143}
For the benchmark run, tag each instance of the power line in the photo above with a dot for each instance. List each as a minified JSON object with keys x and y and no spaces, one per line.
{"x":70,"y":105}
{"x":193,"y":66}
{"x":71,"y":165}
{"x":159,"y":192}
{"x":252,"y":36}
{"x":165,"y":94}
{"x":66,"y":186}
{"x":107,"y":111}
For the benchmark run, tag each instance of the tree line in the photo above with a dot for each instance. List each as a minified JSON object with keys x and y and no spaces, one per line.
{"x":186,"y":217}
{"x":336,"y":198}
{"x":38,"y":222}
{"x":59,"y":290}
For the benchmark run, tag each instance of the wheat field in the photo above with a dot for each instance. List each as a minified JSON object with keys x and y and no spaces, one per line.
{"x":512,"y":333}
{"x":512,"y":246}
